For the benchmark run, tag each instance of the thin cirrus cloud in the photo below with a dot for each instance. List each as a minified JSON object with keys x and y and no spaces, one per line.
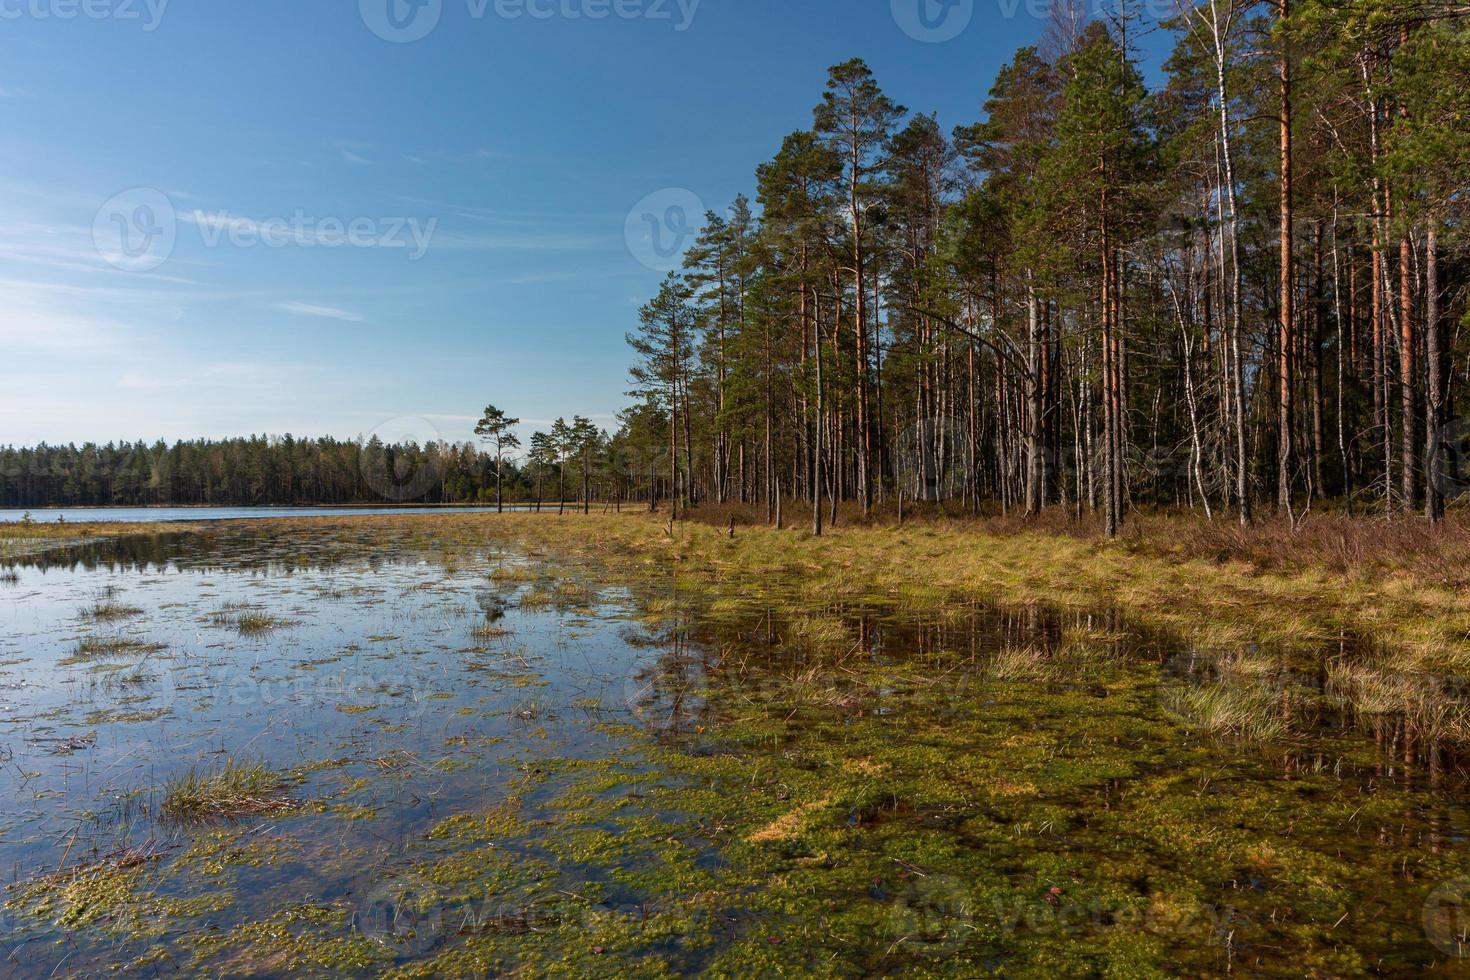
{"x":324,"y":312}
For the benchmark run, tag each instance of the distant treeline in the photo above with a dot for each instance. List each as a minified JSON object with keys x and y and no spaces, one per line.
{"x":256,"y":471}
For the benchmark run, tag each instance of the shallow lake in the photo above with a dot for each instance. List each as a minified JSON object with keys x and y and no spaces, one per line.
{"x":493,"y":758}
{"x":184,"y":515}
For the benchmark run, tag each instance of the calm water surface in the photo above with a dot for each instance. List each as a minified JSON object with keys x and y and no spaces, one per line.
{"x":165,"y":515}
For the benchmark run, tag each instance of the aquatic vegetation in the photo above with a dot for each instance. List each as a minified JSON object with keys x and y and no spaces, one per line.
{"x":1225,"y":710}
{"x":247,"y":620}
{"x":733,"y":768}
{"x":512,"y":574}
{"x":237,"y":789}
{"x":101,"y":891}
{"x":254,"y":624}
{"x":95,"y":647}
{"x":1017,"y":663}
{"x":306,"y":938}
{"x":107,"y":610}
{"x":124,"y":716}
{"x":1435,"y":706}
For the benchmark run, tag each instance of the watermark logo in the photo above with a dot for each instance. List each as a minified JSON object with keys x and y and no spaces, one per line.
{"x":934,"y":917}
{"x":403,"y":915}
{"x":407,"y":21}
{"x":147,"y":13}
{"x":933,"y":21}
{"x":1453,"y":442}
{"x":400,"y":459}
{"x":306,"y":231}
{"x":662,"y":226}
{"x":931,"y":459}
{"x":1446,"y":924}
{"x":401,"y":21}
{"x":680,"y":13}
{"x":136,"y":231}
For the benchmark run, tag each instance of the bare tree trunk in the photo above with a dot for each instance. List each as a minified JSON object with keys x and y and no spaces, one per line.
{"x":1109,"y":367}
{"x":1314,"y":362}
{"x":1034,"y":471}
{"x":1219,"y":32}
{"x":1407,"y":375}
{"x":1343,"y":329}
{"x":673,"y":451}
{"x":1435,"y":402}
{"x":817,"y":434}
{"x":1288,"y":274}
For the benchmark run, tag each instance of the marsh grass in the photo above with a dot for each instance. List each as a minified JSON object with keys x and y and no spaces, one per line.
{"x":109,"y":610}
{"x":1027,"y":662}
{"x":1224,"y":709}
{"x":238,"y":789}
{"x":94,"y":648}
{"x":1327,"y":584}
{"x":247,"y":620}
{"x":820,"y":632}
{"x":513,"y":574}
{"x":256,"y":624}
{"x":1432,"y":705}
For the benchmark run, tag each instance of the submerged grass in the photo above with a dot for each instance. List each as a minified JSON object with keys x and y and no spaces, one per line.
{"x":94,"y":648}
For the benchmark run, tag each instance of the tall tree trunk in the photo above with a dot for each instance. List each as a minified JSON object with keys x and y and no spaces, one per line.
{"x":1219,"y":33}
{"x":817,"y":481}
{"x":1034,"y":465}
{"x":860,"y":329}
{"x":1109,"y":367}
{"x":1284,"y":417}
{"x":673,"y":451}
{"x":1435,"y":402}
{"x":1408,"y":375}
{"x":1314,"y":362}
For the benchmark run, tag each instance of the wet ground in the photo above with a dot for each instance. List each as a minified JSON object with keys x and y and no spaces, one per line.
{"x":494,"y":758}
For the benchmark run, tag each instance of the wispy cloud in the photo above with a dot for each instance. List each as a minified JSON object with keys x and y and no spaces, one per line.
{"x":312,"y":309}
{"x":352,"y":152}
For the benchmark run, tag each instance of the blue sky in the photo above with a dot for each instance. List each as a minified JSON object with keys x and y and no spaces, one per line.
{"x":341,"y":234}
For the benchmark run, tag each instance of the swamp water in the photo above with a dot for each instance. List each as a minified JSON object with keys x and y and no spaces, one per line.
{"x":481,"y":759}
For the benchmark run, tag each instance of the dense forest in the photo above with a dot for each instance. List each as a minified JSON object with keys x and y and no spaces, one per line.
{"x":262,"y":471}
{"x":1243,"y":288}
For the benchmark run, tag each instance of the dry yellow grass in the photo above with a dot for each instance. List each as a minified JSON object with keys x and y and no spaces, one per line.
{"x":1201,"y":600}
{"x":1198,"y":599}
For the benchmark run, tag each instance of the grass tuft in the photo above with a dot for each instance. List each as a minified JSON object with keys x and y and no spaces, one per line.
{"x":237,"y":790}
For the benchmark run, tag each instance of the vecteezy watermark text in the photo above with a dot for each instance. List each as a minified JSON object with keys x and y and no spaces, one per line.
{"x":938,"y":21}
{"x":406,"y":21}
{"x":148,"y":13}
{"x":306,"y":231}
{"x":137,"y":230}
